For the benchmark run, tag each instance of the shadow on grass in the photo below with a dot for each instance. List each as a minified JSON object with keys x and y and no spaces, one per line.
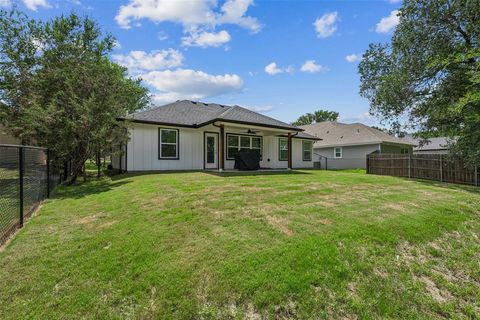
{"x":90,"y":187}
{"x":448,"y":185}
{"x":445,"y":185}
{"x":225,"y":174}
{"x":115,"y":176}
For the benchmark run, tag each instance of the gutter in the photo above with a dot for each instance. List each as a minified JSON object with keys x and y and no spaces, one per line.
{"x":196,"y":125}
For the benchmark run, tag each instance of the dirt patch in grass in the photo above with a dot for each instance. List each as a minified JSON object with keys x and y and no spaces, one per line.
{"x":281,"y":224}
{"x":395,"y":206}
{"x":439,"y":295}
{"x":107,"y":224}
{"x":92,"y":221}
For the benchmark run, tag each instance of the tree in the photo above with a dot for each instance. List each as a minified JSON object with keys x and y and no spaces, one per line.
{"x":60,"y":89}
{"x":317,"y":116}
{"x":428,"y":76}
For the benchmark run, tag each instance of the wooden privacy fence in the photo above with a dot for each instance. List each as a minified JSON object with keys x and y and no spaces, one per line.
{"x":422,"y":166}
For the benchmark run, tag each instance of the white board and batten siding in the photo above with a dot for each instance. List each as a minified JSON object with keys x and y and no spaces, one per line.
{"x":142,"y":150}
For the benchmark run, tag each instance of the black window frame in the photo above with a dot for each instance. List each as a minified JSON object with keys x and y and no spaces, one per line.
{"x":279,"y":150}
{"x":229,"y":134}
{"x":177,"y":145}
{"x":303,"y":150}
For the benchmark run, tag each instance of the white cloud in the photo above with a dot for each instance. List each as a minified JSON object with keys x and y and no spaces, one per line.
{"x":139,"y":61}
{"x":194,"y":14}
{"x":233,"y":12}
{"x":34,"y":4}
{"x":312,"y":67}
{"x":353,"y":57}
{"x":260,"y":109}
{"x":5,"y":3}
{"x":365,"y":118}
{"x":394,"y":1}
{"x":190,"y":84}
{"x":206,"y":39}
{"x":325,"y":26}
{"x":273,"y":69}
{"x":162,"y":36}
{"x":389,"y":23}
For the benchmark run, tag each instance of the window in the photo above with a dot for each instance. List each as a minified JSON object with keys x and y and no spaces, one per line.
{"x":404,"y":151}
{"x":168,"y":144}
{"x":282,"y":149}
{"x":337,"y":152}
{"x":237,"y":142}
{"x":307,"y":150}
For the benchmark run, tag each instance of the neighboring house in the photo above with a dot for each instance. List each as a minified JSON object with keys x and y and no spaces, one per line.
{"x":187,"y":135}
{"x":345,"y":146}
{"x":430,"y":146}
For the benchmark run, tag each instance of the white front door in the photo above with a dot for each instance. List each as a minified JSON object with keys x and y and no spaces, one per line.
{"x":211,"y":150}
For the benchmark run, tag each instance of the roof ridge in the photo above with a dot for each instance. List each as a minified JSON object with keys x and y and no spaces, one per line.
{"x":229,"y":108}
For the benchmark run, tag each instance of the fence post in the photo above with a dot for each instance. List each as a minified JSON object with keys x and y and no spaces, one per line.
{"x":21,"y":171}
{"x":48,"y":173}
{"x":368,"y":163}
{"x":441,"y":168}
{"x":409,"y":166}
{"x":476,"y":176}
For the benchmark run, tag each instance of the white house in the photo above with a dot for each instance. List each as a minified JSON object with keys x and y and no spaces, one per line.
{"x":345,"y":146}
{"x":188,"y":135}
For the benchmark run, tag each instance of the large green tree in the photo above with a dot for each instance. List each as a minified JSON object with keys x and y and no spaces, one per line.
{"x":428,"y":76}
{"x":316,"y":116}
{"x":60,"y":90}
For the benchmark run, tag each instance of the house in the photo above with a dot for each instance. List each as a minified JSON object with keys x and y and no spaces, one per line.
{"x":437,"y":145}
{"x":189,"y":135}
{"x":345,"y":146}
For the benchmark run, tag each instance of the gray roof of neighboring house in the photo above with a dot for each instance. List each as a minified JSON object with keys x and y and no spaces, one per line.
{"x":430,"y":144}
{"x":197,"y":114}
{"x":341,"y":134}
{"x":303,"y":135}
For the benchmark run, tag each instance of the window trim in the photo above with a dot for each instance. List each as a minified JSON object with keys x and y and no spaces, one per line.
{"x":279,"y":150}
{"x":335,"y":152}
{"x":311,"y":150}
{"x":177,"y":144}
{"x":239,"y":144}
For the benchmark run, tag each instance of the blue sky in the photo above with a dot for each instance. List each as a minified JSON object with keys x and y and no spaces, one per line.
{"x":282,"y":58}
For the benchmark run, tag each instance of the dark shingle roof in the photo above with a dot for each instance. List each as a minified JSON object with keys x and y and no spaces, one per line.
{"x":430,"y":144}
{"x":197,"y":114}
{"x":303,"y":135}
{"x":341,"y":134}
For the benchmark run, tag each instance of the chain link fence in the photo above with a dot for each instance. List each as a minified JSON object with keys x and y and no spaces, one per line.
{"x":27,"y":176}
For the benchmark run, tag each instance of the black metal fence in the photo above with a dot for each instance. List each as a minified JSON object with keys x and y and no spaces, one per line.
{"x":27,"y":176}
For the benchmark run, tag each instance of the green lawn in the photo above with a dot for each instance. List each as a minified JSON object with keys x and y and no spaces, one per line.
{"x":305,"y":244}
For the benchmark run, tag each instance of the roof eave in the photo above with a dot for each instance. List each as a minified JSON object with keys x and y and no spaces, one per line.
{"x":249,"y":123}
{"x":158,"y":123}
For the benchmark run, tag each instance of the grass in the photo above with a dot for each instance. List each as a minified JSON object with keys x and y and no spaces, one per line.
{"x":301,"y":244}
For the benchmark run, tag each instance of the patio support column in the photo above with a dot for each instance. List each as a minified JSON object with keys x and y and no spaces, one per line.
{"x":289,"y":146}
{"x":222,"y":147}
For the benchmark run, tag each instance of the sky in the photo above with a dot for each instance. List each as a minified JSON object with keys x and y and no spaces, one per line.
{"x":280,"y":58}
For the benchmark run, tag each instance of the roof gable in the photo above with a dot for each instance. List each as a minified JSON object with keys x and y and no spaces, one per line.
{"x":197,"y":114}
